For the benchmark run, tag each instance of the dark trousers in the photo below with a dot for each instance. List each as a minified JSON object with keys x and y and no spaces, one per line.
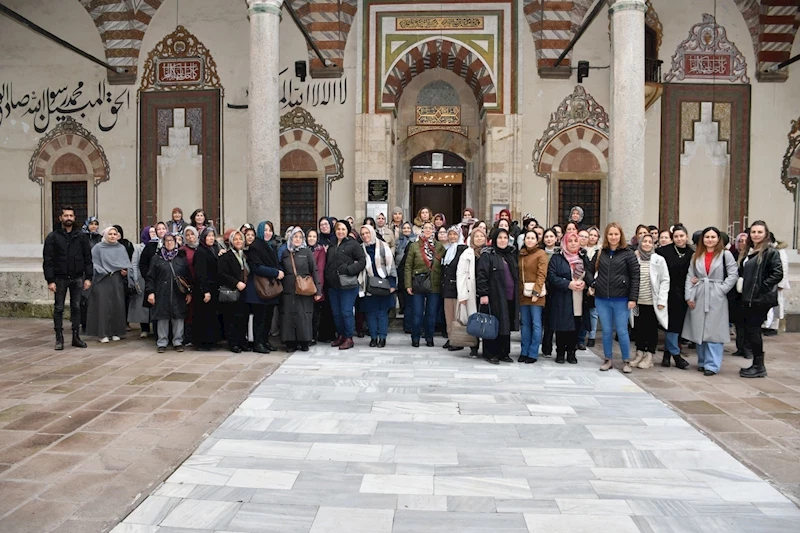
{"x":547,"y":336}
{"x":501,"y":346}
{"x":567,"y":341}
{"x":235,"y":321}
{"x":75,"y":288}
{"x":646,"y":332}
{"x":752,"y":318}
{"x":262,"y":321}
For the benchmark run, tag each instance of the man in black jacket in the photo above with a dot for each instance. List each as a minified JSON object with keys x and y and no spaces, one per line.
{"x":67,"y":267}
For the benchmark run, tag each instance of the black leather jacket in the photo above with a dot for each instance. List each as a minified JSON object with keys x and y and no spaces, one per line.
{"x":617,"y":276}
{"x":761,"y":280}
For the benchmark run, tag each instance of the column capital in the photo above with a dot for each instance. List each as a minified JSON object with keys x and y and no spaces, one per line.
{"x":627,"y":5}
{"x":273,"y":7}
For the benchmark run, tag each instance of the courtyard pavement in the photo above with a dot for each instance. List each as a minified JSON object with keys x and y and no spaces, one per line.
{"x":422,"y":440}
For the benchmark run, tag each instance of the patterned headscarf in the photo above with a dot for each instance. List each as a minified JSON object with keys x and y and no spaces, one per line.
{"x":575,"y":260}
{"x":145,"y":235}
{"x":89,"y":220}
{"x":290,"y":239}
{"x":166,"y":254}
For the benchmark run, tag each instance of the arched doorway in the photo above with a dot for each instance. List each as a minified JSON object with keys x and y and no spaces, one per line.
{"x":437,"y":182}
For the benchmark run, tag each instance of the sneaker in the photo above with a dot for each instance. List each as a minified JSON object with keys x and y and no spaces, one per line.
{"x":104,"y":340}
{"x":581,"y":346}
{"x":607,"y":365}
{"x":143,"y":335}
{"x":115,"y":338}
{"x":626,"y":368}
{"x":162,"y":349}
{"x":179,"y":348}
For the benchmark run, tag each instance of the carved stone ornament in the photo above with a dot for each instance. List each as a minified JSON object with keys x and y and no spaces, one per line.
{"x":708,"y":54}
{"x":577,"y":108}
{"x":78,"y":136}
{"x":180,"y":62}
{"x":790,"y":171}
{"x":300,"y":119}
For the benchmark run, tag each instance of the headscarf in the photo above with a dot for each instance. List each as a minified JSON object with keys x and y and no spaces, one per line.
{"x":108,"y":258}
{"x":290,"y":240}
{"x":373,"y":236}
{"x":471,"y":213}
{"x":644,"y":256}
{"x":238,"y":254}
{"x":579,"y":209}
{"x":452,"y":248}
{"x":325,"y":238}
{"x":318,"y":244}
{"x":89,"y":220}
{"x":575,"y":260}
{"x":176,"y":226}
{"x":507,"y":212}
{"x":165,"y":254}
{"x":477,"y":249}
{"x":191,"y":229}
{"x":444,"y":219}
{"x":144,"y":236}
{"x":428,"y":249}
{"x":507,"y":253}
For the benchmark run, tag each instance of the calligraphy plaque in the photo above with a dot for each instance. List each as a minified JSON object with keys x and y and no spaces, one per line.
{"x":183,"y":71}
{"x":706,"y":65}
{"x":437,"y":178}
{"x":378,"y":190}
{"x":439,"y":23}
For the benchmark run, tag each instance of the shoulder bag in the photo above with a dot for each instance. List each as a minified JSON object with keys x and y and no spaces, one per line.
{"x":267,"y":289}
{"x":303,"y":285}
{"x":483,"y":326}
{"x":376,"y":285}
{"x":458,"y":336}
{"x":184,"y":287}
{"x":228,"y":295}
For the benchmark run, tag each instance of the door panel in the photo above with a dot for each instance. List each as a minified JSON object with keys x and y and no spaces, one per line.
{"x":72,"y":193}
{"x":446,"y":199}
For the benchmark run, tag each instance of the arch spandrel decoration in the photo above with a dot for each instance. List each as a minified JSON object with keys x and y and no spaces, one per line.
{"x":579,"y":121}
{"x":790,"y":171}
{"x":181,"y":45}
{"x":300,"y":126}
{"x":69,"y":137}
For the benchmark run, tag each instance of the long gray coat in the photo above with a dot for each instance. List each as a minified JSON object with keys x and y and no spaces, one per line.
{"x":708,"y":321}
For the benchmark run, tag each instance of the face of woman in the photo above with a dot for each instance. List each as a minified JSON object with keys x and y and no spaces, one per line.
{"x":210,"y":239}
{"x":530,"y":226}
{"x":572,"y":244}
{"x":406,"y":230}
{"x":559,"y":231}
{"x":381,"y":220}
{"x":613,"y":237}
{"x":438,"y":222}
{"x":427,"y":230}
{"x":741,"y":244}
{"x":93,"y":226}
{"x":176,"y":216}
{"x":424,"y":215}
{"x":200,"y":218}
{"x":503,"y":224}
{"x":664,"y":239}
{"x":531,"y":239}
{"x":482,"y":225}
{"x":366,"y":236}
{"x":452,"y":237}
{"x":641,"y":233}
{"x":311,"y":238}
{"x":647,"y":243}
{"x":571,"y":227}
{"x":297,"y":239}
{"x":191,"y":237}
{"x":539,"y":232}
{"x":351,"y":221}
{"x":153,"y":234}
{"x":478,"y":239}
{"x":161,"y":230}
{"x":341,"y":231}
{"x":268,"y":233}
{"x":501,"y":241}
{"x":710,"y":240}
{"x":249,"y":237}
{"x":466,"y":216}
{"x":549,"y":239}
{"x":583,"y":238}
{"x":654,"y":234}
{"x":170,"y":244}
{"x":758,"y":234}
{"x":594,"y":237}
{"x":679,"y":238}
{"x":324,"y":226}
{"x":397,"y":218}
{"x":112,"y":236}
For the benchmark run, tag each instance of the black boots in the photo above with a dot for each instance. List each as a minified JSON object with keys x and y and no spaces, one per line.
{"x":560,"y":357}
{"x":373,"y":343}
{"x":757,"y":370}
{"x":571,"y":358}
{"x":666,"y":360}
{"x":680,"y":362}
{"x":76,"y":340}
{"x":59,"y":339}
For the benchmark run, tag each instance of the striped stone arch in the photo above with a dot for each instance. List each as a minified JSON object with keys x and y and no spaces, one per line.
{"x":553,"y":24}
{"x":300,"y":131}
{"x":122,"y":25}
{"x":69,"y":145}
{"x":329,"y":23}
{"x":440,"y":53}
{"x":559,"y":153}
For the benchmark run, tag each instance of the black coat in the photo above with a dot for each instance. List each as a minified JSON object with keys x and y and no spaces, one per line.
{"x":147,"y":255}
{"x":559,"y":295}
{"x":760,"y":286}
{"x":345,"y":258}
{"x":678,"y":266}
{"x":160,"y":281}
{"x":490,"y":281}
{"x":449,"y":289}
{"x":67,"y":255}
{"x":617,"y":276}
{"x":206,"y":271}
{"x":205,"y":326}
{"x":230,"y":274}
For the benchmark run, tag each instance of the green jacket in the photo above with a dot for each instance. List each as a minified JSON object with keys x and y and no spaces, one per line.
{"x":415,"y":264}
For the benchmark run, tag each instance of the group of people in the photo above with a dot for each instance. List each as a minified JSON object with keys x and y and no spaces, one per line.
{"x":190,"y":285}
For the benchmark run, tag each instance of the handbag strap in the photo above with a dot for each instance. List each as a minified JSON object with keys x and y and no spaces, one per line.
{"x":174,"y":276}
{"x":294,"y":268}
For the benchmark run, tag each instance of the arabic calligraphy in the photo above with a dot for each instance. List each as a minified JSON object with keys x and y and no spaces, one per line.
{"x":179,"y":71}
{"x":706,"y":65}
{"x":50,"y":105}
{"x":313,"y":94}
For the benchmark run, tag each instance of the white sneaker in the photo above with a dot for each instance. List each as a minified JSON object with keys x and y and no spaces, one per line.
{"x":115,"y":338}
{"x":104,"y":340}
{"x":143,"y":335}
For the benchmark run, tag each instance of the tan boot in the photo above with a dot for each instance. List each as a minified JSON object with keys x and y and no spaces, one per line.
{"x":647,"y":361}
{"x":626,"y":368}
{"x":607,"y":365}
{"x":637,"y":359}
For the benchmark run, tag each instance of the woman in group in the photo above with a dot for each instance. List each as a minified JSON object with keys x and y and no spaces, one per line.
{"x":262,"y":261}
{"x":502,"y":224}
{"x":90,"y":227}
{"x":123,"y":241}
{"x":137,"y":313}
{"x":177,"y":224}
{"x":321,"y":331}
{"x":379,"y":264}
{"x":761,"y":271}
{"x":384,"y":232}
{"x":199,"y":221}
{"x":423,"y":275}
{"x":233,"y":274}
{"x":678,"y":256}
{"x":266,"y":232}
{"x":651,"y":306}
{"x":778,"y":313}
{"x":191,"y":240}
{"x":407,"y":236}
{"x":641,"y":231}
{"x":528,"y":224}
{"x":468,"y":221}
{"x":533,"y":274}
{"x":568,"y":275}
{"x":592,"y":247}
{"x":559,"y":231}
{"x":449,"y":274}
{"x":345,"y":260}
{"x":712,"y":274}
{"x":205,"y":328}
{"x":439,"y":221}
{"x":106,"y":317}
{"x":168,"y":298}
{"x":539,"y":233}
{"x":297,"y":310}
{"x":441,"y":236}
{"x":325,"y":227}
{"x":571,"y":227}
{"x":465,"y":276}
{"x":496,"y":284}
{"x":664,"y":238}
{"x":150,"y":249}
{"x":423,"y":216}
{"x":616,"y":290}
{"x":548,"y":244}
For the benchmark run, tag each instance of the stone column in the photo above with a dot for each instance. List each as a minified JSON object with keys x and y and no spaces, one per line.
{"x":627,"y":141}
{"x":263,"y":170}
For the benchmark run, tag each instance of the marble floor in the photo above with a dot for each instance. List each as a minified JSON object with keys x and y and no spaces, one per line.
{"x":404,"y":440}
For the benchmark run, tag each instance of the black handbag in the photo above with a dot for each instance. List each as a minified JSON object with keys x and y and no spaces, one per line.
{"x":348,"y":282}
{"x":378,"y":286}
{"x":421,"y":283}
{"x":228,"y":296}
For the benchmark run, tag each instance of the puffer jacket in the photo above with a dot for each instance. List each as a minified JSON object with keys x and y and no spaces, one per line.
{"x":415,"y":264}
{"x":346,"y":258}
{"x":67,"y":255}
{"x":760,"y":286}
{"x":617,"y":276}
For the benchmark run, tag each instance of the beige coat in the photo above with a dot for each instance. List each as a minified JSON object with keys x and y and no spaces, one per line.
{"x":465,"y":284}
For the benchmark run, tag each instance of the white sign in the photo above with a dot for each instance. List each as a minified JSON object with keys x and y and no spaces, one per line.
{"x":437,"y":161}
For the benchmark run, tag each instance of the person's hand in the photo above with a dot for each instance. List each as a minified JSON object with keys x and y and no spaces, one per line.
{"x":631,"y":305}
{"x":241,"y":286}
{"x":280,"y":275}
{"x":87,"y":284}
{"x":151,"y":299}
{"x":124,"y":272}
{"x":392,"y":290}
{"x":52,"y":286}
{"x":410,"y":291}
{"x":695,"y":280}
{"x":462,"y":302}
{"x":188,"y":299}
{"x":690,"y":303}
{"x":660,"y":307}
{"x":591,"y":291}
{"x":317,"y":297}
{"x":484,"y":300}
{"x":207,"y":297}
{"x":222,"y":252}
{"x":534,"y":298}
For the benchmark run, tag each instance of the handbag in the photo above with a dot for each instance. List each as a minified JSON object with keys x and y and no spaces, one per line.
{"x":421,"y":283}
{"x":303,"y":285}
{"x":347,"y":281}
{"x":458,"y":335}
{"x":184,"y":287}
{"x":378,"y":286}
{"x":228,"y":296}
{"x":483,"y":326}
{"x":267,"y":289}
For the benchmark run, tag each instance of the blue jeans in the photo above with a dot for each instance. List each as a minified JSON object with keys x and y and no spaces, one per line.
{"x":673,"y":345}
{"x":378,"y":323}
{"x":613,"y":315}
{"x":531,"y":329}
{"x":342,"y":303}
{"x":709,"y":355}
{"x":593,"y":332}
{"x":424,"y":307}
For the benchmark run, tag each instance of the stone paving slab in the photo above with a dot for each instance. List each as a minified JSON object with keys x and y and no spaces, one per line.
{"x":416,"y":440}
